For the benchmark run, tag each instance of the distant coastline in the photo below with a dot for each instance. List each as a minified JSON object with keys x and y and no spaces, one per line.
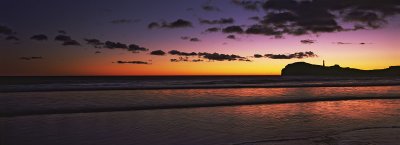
{"x":306,"y":69}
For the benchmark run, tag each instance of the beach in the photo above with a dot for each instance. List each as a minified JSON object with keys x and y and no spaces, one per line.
{"x":269,"y":115}
{"x":339,"y":122}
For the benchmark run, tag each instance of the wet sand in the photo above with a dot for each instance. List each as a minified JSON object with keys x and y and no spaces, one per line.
{"x":338,"y":122}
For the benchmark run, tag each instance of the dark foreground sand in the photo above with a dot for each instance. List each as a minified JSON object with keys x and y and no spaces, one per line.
{"x":354,"y":122}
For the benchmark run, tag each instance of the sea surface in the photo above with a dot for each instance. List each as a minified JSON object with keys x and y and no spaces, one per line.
{"x":199,"y":110}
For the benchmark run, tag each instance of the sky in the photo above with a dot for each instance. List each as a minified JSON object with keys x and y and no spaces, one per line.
{"x":194,"y":37}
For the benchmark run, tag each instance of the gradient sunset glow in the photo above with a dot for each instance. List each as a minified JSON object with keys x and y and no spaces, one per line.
{"x":368,"y":37}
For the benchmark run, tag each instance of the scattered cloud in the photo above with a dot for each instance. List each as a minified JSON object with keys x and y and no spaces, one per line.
{"x":213,"y":29}
{"x":295,"y":17}
{"x":94,"y":42}
{"x":31,"y":58}
{"x":344,"y":43}
{"x":97,"y":52}
{"x":157,"y":52}
{"x":255,"y":18}
{"x":115,"y":45}
{"x":132,"y":62}
{"x":371,"y":19}
{"x":231,"y":37}
{"x":194,"y":39}
{"x":39,"y":37}
{"x":62,"y":38}
{"x":258,"y":56}
{"x":341,"y":43}
{"x":136,"y":48}
{"x":176,"y":52}
{"x":12,"y":38}
{"x":5,"y":30}
{"x":263,"y":30}
{"x":191,"y":39}
{"x":153,"y":25}
{"x":222,"y":57}
{"x":185,"y":37}
{"x":185,"y":59}
{"x":71,"y":43}
{"x":248,"y":4}
{"x":180,"y":59}
{"x":218,"y":21}
{"x":297,"y":55}
{"x":210,"y":8}
{"x":112,"y":45}
{"x":233,"y":29}
{"x":308,"y":41}
{"x":180,"y":23}
{"x":67,"y":41}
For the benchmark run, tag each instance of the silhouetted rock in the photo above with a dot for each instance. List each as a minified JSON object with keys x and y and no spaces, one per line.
{"x":306,"y":69}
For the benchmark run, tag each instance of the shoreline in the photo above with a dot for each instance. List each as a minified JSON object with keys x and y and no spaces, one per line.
{"x":204,"y":87}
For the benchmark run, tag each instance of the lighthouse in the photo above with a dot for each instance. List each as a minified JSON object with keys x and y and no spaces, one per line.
{"x":323,"y":63}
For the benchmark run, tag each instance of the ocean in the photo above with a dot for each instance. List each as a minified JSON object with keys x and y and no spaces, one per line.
{"x":199,"y":110}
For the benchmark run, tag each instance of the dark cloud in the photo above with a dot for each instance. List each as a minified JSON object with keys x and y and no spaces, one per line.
{"x":67,"y":41}
{"x":341,"y":43}
{"x":307,"y":41}
{"x":62,"y":32}
{"x":197,"y":60}
{"x":153,"y":25}
{"x":180,"y":23}
{"x":248,"y":4}
{"x":258,"y":56}
{"x":31,"y":58}
{"x":297,"y":55}
{"x":191,"y":39}
{"x":132,"y":62}
{"x":219,"y":21}
{"x":176,"y":52}
{"x":344,"y":43}
{"x":113,"y":45}
{"x":194,"y":39}
{"x":136,"y":48}
{"x":12,"y":38}
{"x":185,"y":57}
{"x":157,"y":52}
{"x":97,"y":52}
{"x":371,"y":19}
{"x":39,"y":37}
{"x":255,"y":18}
{"x":222,"y":57}
{"x":180,"y":59}
{"x":233,"y":29}
{"x":263,"y":30}
{"x":185,"y":37}
{"x":5,"y":30}
{"x":295,"y":17}
{"x":231,"y":37}
{"x":121,"y":21}
{"x":94,"y":42}
{"x":213,"y":29}
{"x":71,"y":43}
{"x":210,"y":8}
{"x":62,"y":38}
